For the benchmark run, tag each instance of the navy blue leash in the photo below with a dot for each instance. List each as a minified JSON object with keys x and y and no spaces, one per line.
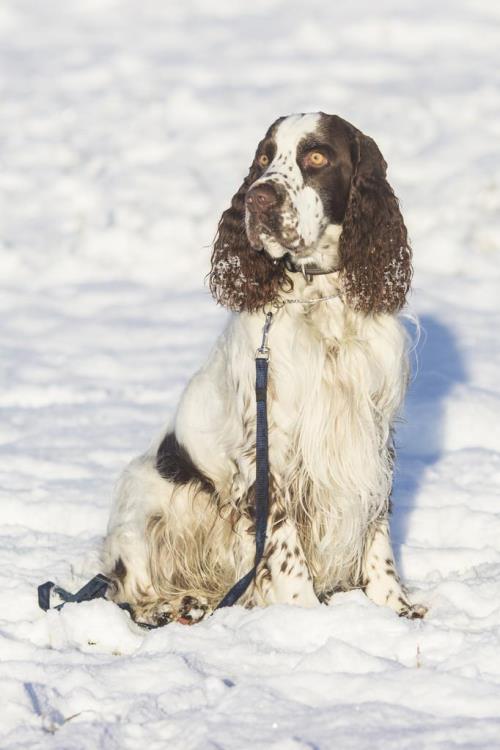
{"x":261,"y":468}
{"x":97,"y":587}
{"x":94,"y":589}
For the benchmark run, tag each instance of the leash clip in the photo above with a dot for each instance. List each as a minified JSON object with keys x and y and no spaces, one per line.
{"x":263,"y":350}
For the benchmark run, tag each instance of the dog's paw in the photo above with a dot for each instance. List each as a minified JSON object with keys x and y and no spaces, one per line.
{"x":191,"y":610}
{"x":413,"y":611}
{"x":186,"y":610}
{"x":154,"y":615}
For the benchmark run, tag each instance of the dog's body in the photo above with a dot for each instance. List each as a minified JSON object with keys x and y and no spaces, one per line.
{"x":181,"y":530}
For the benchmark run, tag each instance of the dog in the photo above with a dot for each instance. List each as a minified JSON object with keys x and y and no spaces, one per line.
{"x":315,"y":235}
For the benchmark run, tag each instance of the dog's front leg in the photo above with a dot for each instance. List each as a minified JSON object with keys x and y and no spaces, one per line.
{"x":380,"y":579}
{"x":283,"y":576}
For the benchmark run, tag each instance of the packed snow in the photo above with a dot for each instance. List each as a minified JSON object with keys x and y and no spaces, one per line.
{"x":125,"y":129}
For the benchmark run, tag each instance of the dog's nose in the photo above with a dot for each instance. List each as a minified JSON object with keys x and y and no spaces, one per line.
{"x":261,"y":198}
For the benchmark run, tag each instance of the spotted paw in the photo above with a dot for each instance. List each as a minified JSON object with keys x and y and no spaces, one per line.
{"x":154,"y":616}
{"x":413,"y":611}
{"x":191,"y":610}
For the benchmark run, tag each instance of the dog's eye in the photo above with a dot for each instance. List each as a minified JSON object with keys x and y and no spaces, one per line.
{"x":315,"y":159}
{"x":263,"y":160}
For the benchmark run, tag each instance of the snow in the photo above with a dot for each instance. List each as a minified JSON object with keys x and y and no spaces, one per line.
{"x":125,"y":129}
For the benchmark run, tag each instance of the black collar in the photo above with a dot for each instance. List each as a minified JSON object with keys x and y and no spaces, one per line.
{"x":307,"y":271}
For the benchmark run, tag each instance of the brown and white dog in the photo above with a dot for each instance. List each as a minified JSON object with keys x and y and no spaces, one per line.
{"x":315,"y":218}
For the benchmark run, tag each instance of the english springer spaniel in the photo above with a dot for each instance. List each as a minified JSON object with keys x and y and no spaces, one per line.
{"x":315,"y":235}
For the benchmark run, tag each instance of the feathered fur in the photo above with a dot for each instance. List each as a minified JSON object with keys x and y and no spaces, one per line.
{"x":181,"y":530}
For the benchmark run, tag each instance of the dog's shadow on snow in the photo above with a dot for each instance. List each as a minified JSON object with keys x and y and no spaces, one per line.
{"x":437,"y":367}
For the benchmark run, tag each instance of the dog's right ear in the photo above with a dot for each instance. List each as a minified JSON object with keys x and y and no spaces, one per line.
{"x":242,"y":278}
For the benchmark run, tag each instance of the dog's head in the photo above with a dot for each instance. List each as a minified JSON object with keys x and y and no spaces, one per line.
{"x":316,"y":195}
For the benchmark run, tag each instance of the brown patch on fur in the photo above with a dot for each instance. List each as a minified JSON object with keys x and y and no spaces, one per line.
{"x":174,"y":463}
{"x":120,"y":570}
{"x":279,"y":518}
{"x":272,"y":549}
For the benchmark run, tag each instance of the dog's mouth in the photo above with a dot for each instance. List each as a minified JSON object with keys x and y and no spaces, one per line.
{"x":278,"y":242}
{"x":277,"y":248}
{"x":301,"y":241}
{"x":322,"y":255}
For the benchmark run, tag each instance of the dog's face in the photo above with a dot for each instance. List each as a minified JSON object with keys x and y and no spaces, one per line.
{"x":317,"y":194}
{"x":303,"y":169}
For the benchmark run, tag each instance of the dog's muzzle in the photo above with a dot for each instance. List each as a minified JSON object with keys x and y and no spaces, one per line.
{"x":268,"y":213}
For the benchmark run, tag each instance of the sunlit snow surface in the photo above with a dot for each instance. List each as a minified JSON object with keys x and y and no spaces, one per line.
{"x":125,"y":128}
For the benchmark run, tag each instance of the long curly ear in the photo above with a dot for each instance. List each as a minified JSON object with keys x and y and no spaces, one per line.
{"x":242,"y":278}
{"x":374,"y":250}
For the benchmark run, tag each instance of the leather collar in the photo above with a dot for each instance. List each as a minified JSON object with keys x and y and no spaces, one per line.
{"x":307,"y":271}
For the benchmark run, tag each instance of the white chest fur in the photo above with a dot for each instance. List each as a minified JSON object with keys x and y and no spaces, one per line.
{"x":337,"y":381}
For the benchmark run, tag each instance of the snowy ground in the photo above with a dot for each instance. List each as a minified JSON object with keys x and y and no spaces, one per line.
{"x":125,"y":128}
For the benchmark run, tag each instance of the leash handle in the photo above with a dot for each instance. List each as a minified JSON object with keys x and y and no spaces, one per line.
{"x":96,"y":588}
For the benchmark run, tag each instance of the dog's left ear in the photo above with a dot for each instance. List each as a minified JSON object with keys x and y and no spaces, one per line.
{"x":374,"y":250}
{"x":242,"y":278}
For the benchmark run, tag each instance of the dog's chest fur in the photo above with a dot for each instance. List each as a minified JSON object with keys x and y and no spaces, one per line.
{"x":334,"y":387}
